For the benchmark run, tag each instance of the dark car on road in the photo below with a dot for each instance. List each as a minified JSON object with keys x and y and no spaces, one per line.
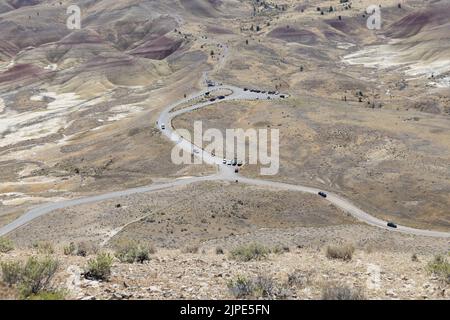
{"x":392,"y":225}
{"x":322,"y":194}
{"x":221,"y":97}
{"x":212,"y":99}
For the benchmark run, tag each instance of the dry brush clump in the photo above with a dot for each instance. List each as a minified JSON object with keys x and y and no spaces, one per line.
{"x":299,"y":279}
{"x":341,"y":292}
{"x":191,"y":249}
{"x":43,"y":247}
{"x":341,"y":252}
{"x":264,"y":287}
{"x":249,"y":252}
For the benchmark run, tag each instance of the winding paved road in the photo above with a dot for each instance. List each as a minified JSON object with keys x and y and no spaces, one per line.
{"x":225,"y":172}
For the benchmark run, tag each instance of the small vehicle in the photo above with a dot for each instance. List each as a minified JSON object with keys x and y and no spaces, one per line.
{"x":163,"y":126}
{"x":212,"y":99}
{"x":196,"y":151}
{"x":236,"y":170}
{"x":245,"y":89}
{"x":239,"y":163}
{"x":213,"y":154}
{"x":221,"y":97}
{"x":392,"y":225}
{"x":234,"y":162}
{"x":282,"y":96}
{"x":229,"y":162}
{"x":322,"y":194}
{"x":224,"y":161}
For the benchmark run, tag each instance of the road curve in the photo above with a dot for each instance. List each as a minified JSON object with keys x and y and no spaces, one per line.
{"x":226,"y":173}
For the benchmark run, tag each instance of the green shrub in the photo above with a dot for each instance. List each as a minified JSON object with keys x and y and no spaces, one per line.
{"x":342,"y":252}
{"x":44,"y":247}
{"x":70,"y":250}
{"x":99,"y":268}
{"x":80,"y":249}
{"x":249,"y":252}
{"x":36,"y":275}
{"x":341,"y":292}
{"x":33,"y":277}
{"x":11,"y":272}
{"x":48,"y":295}
{"x":133,"y":251}
{"x":6,"y":245}
{"x":440,"y":267}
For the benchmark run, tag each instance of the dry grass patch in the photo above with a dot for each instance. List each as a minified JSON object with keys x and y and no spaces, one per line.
{"x":440,"y":267}
{"x":341,"y":252}
{"x":341,"y":292}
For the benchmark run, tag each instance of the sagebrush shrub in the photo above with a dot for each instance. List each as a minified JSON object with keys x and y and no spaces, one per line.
{"x":6,"y":245}
{"x":249,"y":252}
{"x":11,"y":272}
{"x":37,"y":274}
{"x":99,"y":268}
{"x":440,"y":267}
{"x":133,"y":251}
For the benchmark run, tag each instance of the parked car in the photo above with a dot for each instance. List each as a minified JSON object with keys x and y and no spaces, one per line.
{"x":236,"y":170}
{"x":163,"y":126}
{"x":245,"y":89}
{"x":322,"y":194}
{"x":224,"y":161}
{"x":212,"y":99}
{"x":229,"y":162}
{"x":239,"y":163}
{"x":221,"y":97}
{"x":392,"y":225}
{"x":234,"y":162}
